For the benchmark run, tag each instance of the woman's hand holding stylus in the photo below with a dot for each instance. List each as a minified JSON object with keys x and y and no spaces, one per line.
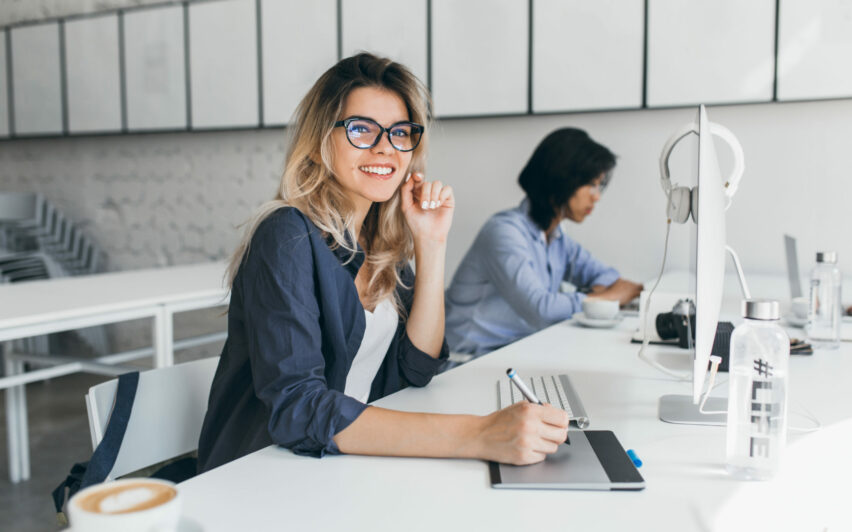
{"x":524,"y":433}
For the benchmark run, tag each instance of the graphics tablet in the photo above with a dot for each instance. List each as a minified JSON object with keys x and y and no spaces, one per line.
{"x":592,"y":460}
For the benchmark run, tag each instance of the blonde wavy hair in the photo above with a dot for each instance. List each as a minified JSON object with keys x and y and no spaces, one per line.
{"x":308,"y":182}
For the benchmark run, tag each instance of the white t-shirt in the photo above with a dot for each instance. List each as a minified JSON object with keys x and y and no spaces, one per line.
{"x":380,"y":327}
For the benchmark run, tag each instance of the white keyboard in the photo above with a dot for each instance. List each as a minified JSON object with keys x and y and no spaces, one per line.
{"x":554,"y":389}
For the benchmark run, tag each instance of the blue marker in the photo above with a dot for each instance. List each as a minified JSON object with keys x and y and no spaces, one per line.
{"x":633,"y":458}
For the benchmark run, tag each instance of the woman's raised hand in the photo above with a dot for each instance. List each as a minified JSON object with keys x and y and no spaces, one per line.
{"x":523,"y":433}
{"x":428,"y":208}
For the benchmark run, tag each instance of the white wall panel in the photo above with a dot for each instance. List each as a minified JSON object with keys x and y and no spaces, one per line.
{"x":94,"y":81}
{"x":587,"y":55}
{"x":814,"y":49}
{"x":299,"y":41}
{"x":155,"y":68}
{"x":710,"y":52}
{"x":223,"y":64}
{"x":480,"y":56}
{"x":393,"y":29}
{"x":36,"y":79}
{"x":4,"y":89}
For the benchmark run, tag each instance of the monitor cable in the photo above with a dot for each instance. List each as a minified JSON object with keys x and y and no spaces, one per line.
{"x":646,"y":339}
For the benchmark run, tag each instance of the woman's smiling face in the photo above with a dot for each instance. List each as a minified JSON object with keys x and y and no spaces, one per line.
{"x":373,"y":174}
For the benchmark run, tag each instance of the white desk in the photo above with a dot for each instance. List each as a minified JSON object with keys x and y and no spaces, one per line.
{"x":42,"y":307}
{"x":687,"y":487}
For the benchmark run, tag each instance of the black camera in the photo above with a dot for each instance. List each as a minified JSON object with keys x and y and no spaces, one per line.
{"x":679,"y":323}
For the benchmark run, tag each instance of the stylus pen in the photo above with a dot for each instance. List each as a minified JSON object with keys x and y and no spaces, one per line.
{"x":530,"y":396}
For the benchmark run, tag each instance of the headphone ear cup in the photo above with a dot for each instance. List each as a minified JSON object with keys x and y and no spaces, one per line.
{"x":693,"y":202}
{"x":679,"y":205}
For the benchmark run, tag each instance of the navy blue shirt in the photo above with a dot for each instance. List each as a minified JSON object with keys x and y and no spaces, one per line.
{"x":295,"y":324}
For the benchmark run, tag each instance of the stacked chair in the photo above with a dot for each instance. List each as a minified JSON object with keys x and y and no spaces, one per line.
{"x":38,"y":242}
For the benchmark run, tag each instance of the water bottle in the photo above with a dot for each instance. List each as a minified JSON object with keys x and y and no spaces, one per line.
{"x":824,"y":308}
{"x":757,"y":395}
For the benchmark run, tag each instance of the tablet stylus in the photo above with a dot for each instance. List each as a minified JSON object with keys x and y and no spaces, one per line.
{"x":528,"y":394}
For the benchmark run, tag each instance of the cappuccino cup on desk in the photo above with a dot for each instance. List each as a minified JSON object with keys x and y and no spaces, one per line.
{"x":600,"y":309}
{"x":129,"y":505}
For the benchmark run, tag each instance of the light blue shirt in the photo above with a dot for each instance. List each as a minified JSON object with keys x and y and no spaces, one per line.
{"x":508,"y":284}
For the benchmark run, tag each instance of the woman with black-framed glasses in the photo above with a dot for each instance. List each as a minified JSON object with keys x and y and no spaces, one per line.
{"x":326,"y":315}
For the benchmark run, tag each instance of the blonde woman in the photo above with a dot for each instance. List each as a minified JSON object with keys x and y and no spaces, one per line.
{"x":326,"y":314}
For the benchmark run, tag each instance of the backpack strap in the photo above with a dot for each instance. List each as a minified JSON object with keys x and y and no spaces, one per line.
{"x":94,"y":471}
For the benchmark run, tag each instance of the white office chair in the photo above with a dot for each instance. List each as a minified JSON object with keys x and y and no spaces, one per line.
{"x":166,"y":418}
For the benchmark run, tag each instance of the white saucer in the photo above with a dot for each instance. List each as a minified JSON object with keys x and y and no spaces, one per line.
{"x":184,"y":525}
{"x":586,"y":321}
{"x":795,"y":321}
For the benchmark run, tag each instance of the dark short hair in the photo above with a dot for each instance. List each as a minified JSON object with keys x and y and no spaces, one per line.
{"x":564,"y":161}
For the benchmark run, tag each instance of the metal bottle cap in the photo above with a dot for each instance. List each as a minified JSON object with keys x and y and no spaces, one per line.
{"x":827,"y":256}
{"x":761,"y":309}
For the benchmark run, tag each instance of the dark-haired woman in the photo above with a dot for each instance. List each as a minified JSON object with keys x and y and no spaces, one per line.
{"x":508,"y":284}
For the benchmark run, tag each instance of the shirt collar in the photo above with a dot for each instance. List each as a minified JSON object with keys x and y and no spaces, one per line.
{"x":534,"y":229}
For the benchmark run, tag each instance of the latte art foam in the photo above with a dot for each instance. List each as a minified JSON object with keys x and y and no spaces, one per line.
{"x":127,"y":498}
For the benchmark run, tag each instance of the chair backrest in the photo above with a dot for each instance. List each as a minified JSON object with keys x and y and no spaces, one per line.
{"x":17,"y":206}
{"x":166,"y":418}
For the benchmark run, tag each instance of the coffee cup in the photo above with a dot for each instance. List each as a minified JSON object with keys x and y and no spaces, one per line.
{"x":800,"y":306}
{"x":600,"y":309}
{"x":129,"y":505}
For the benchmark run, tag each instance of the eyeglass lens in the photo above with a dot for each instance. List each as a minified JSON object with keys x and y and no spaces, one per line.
{"x":363,"y":133}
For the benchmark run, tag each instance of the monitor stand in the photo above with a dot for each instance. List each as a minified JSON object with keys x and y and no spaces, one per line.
{"x":680,"y":409}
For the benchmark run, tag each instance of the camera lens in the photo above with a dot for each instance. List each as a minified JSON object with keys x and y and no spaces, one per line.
{"x":667,"y":325}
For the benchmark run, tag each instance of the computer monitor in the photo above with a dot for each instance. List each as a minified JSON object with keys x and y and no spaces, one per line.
{"x":709,"y":253}
{"x":709,"y":203}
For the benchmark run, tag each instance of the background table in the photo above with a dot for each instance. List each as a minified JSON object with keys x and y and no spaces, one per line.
{"x":687,"y":486}
{"x":53,"y":305}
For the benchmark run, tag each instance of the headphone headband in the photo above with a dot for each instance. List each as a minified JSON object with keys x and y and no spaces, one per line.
{"x":733,"y":180}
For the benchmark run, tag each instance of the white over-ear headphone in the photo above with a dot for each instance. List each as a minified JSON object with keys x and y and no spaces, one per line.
{"x":683,"y":201}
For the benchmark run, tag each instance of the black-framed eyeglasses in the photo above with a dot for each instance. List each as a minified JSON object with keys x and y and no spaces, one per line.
{"x":601,"y":184}
{"x":364,"y":133}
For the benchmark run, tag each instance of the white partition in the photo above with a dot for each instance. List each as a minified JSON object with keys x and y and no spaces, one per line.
{"x":814,"y":49}
{"x":720,"y":51}
{"x":155,"y":68}
{"x":587,"y":55}
{"x":394,"y":29}
{"x":223,"y":64}
{"x":293,"y":58}
{"x":36,"y":79}
{"x":4,"y":90}
{"x":480,"y":57}
{"x":94,"y":80}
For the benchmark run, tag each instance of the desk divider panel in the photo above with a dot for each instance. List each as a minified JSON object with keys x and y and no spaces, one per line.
{"x":155,"y":67}
{"x":587,"y":55}
{"x":392,"y":29}
{"x":480,"y":57}
{"x":293,"y":57}
{"x":814,"y":49}
{"x":37,"y":79}
{"x":223,"y":64}
{"x":92,"y":69}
